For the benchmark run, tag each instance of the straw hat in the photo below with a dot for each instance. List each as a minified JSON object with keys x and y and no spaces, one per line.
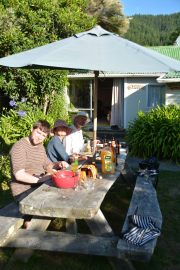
{"x":82,"y":114}
{"x":60,"y":123}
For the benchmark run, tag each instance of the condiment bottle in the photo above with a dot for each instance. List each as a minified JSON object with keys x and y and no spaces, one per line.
{"x":107,"y":164}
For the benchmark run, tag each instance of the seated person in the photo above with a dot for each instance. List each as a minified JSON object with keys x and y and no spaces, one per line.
{"x":55,"y":149}
{"x":30,"y":165}
{"x":74,"y":143}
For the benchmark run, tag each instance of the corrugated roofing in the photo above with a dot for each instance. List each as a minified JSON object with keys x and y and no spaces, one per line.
{"x":171,"y":51}
{"x":170,"y":75}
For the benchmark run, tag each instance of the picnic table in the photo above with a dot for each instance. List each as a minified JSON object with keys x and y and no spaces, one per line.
{"x":48,"y":202}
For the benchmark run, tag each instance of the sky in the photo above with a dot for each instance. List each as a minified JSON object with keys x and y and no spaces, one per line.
{"x":153,"y":7}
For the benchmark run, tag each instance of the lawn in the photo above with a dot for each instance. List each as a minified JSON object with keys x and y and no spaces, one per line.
{"x":115,"y":205}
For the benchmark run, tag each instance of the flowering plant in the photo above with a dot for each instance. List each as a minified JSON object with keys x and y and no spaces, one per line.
{"x":17,"y":122}
{"x":20,"y":107}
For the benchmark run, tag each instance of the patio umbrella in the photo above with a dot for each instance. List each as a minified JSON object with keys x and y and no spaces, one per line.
{"x":95,"y":50}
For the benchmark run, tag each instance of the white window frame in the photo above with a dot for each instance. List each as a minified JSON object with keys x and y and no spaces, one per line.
{"x":155,"y":100}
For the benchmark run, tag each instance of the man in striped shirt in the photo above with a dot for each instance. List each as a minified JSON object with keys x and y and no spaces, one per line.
{"x":30,"y":166}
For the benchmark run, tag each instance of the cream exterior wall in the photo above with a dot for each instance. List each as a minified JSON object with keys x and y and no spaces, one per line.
{"x":135,"y":97}
{"x":172,"y":96}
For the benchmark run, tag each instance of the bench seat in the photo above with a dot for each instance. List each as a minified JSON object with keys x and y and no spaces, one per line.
{"x":144,"y":202}
{"x":10,"y":221}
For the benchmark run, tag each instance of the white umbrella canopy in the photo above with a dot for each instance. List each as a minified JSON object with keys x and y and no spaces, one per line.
{"x":96,"y":50}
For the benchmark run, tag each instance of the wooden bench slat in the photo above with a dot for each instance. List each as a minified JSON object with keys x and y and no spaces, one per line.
{"x":37,"y":224}
{"x":64,"y":242}
{"x":10,"y":221}
{"x":144,"y":199}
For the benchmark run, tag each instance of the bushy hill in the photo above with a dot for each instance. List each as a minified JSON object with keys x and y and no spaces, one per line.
{"x":154,"y":30}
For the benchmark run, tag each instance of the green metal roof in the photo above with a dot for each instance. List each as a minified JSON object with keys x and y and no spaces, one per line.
{"x":171,"y":51}
{"x":170,"y":75}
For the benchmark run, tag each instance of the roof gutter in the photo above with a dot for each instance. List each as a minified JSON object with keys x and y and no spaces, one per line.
{"x":113,"y":75}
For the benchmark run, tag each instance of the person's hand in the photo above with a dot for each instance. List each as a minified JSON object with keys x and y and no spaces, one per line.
{"x":63,"y":165}
{"x":82,"y":157}
{"x":73,"y":157}
{"x":44,"y":178}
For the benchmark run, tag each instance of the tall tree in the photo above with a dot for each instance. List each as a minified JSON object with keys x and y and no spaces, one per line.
{"x":109,"y":15}
{"x":28,"y":24}
{"x":154,"y":30}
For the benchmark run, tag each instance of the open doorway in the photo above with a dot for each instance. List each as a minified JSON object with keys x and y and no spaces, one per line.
{"x":110,"y":99}
{"x":104,"y":100}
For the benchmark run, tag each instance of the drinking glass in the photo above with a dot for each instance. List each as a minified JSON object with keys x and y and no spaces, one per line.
{"x":89,"y":183}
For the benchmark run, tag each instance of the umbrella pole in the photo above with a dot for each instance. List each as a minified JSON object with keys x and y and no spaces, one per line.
{"x":96,"y":74}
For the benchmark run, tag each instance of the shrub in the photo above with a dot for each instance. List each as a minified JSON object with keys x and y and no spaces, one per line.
{"x":156,"y":133}
{"x":4,"y":172}
{"x":17,"y":123}
{"x":58,"y":108}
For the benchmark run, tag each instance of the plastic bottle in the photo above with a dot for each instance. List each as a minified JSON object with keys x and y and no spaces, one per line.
{"x":107,"y":164}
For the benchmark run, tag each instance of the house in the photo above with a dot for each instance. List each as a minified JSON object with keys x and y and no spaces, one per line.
{"x":125,"y":94}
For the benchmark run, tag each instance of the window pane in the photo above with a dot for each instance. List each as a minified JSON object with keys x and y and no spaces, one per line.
{"x":156,"y":95}
{"x":79,"y":92}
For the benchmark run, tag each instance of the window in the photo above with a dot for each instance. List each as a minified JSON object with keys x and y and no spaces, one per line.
{"x":155,"y":95}
{"x":80,"y":93}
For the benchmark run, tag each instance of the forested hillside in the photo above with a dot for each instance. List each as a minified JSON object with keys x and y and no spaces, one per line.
{"x":154,"y":30}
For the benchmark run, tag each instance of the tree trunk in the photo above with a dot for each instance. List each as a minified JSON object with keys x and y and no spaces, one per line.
{"x":46,"y":103}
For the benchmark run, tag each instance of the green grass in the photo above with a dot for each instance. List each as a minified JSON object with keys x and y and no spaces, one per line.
{"x":115,"y":205}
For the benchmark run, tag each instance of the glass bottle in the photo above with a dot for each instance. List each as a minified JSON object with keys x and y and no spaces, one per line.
{"x":88,"y":147}
{"x":117,"y":147}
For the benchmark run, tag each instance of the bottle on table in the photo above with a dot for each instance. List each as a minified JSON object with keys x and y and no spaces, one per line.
{"x":118,"y":147}
{"x":113,"y":151}
{"x":113,"y":142}
{"x":105,"y":142}
{"x":88,"y":147}
{"x":107,"y":164}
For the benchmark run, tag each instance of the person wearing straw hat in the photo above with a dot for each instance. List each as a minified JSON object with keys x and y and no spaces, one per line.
{"x":55,"y":149}
{"x":74,"y":142}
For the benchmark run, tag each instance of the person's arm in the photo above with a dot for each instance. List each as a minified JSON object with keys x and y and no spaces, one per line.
{"x":60,"y":150}
{"x":54,"y":166}
{"x":18,"y":155}
{"x":25,"y":177}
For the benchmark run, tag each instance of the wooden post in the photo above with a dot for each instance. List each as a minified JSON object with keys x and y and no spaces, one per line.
{"x":96,"y":73}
